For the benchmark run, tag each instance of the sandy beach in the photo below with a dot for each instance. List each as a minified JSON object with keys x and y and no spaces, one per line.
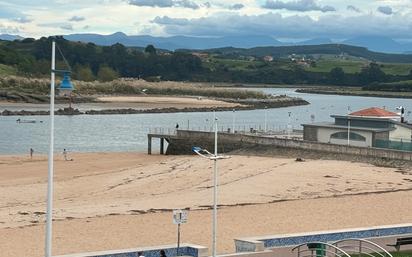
{"x":166,"y":101}
{"x":109,"y":201}
{"x":124,"y":102}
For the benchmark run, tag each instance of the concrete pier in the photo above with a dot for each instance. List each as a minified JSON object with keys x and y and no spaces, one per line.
{"x":184,"y":140}
{"x":162,"y":137}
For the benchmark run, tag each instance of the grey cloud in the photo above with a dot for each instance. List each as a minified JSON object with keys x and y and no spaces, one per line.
{"x":77,"y":18}
{"x":67,"y":27}
{"x":23,"y":20}
{"x":295,"y":26}
{"x":62,"y":25}
{"x":353,"y":8}
{"x":236,"y":7}
{"x":165,"y":3}
{"x":165,"y":20}
{"x":385,"y":10}
{"x":153,"y":3}
{"x":298,"y":5}
{"x":187,"y":4}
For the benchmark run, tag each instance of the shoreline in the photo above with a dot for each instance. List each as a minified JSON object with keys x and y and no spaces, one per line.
{"x":377,"y":94}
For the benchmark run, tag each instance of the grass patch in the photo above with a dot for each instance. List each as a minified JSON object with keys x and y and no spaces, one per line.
{"x":396,"y":68}
{"x":348,"y":66}
{"x":7,"y":70}
{"x":128,"y":87}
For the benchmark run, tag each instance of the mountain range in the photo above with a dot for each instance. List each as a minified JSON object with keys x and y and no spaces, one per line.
{"x":373,"y":43}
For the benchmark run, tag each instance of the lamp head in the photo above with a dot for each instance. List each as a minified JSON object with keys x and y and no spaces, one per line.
{"x":196,"y":149}
{"x":66,"y":86}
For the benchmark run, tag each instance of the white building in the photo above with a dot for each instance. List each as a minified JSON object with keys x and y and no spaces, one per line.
{"x":372,"y":127}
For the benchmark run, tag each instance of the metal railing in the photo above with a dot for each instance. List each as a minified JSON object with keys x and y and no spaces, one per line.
{"x":319,"y":249}
{"x":246,"y":129}
{"x":362,"y":247}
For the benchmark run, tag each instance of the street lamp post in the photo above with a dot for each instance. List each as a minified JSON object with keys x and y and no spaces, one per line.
{"x":215,"y":157}
{"x":48,"y":249}
{"x":65,"y":87}
{"x":348,"y":125}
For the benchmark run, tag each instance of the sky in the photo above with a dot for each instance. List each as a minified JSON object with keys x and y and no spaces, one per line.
{"x":281,"y":19}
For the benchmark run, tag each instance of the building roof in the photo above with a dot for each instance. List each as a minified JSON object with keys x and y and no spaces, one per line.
{"x":374,"y":112}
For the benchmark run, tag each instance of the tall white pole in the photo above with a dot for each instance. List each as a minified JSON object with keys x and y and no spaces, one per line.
{"x":48,"y":249}
{"x":348,"y":131}
{"x":266,"y":119}
{"x":215,"y":193}
{"x":348,"y":125}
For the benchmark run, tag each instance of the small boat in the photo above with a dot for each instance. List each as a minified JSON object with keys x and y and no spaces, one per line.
{"x":26,"y":121}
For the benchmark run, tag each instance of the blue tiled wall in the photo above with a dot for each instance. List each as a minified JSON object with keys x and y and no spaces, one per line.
{"x":188,"y":251}
{"x":327,"y":237}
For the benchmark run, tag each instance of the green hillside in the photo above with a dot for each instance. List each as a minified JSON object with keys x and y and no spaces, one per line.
{"x":328,"y":49}
{"x":321,"y":65}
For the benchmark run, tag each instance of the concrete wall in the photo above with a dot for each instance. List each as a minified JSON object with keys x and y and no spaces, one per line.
{"x":400,"y":133}
{"x":228,"y":142}
{"x":171,"y":250}
{"x":310,"y":133}
{"x":329,"y":236}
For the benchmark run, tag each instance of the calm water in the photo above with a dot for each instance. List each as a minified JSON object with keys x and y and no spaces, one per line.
{"x":98,"y":133}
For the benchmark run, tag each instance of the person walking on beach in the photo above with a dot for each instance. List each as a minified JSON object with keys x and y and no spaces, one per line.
{"x":65,"y":154}
{"x":31,"y":153}
{"x":177,"y":125}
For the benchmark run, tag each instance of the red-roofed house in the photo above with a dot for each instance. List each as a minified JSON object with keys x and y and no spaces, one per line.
{"x":376,"y":112}
{"x":371,"y":127}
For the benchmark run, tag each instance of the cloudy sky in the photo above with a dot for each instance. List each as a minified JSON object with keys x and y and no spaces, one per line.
{"x":282,"y":19}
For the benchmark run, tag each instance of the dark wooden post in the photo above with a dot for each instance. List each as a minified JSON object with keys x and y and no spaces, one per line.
{"x":149,"y":144}
{"x":162,"y":142}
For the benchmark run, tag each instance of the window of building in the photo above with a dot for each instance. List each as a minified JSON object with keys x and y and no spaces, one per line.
{"x":344,"y":135}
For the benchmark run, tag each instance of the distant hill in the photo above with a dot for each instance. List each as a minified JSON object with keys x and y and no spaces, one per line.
{"x":333,"y":49}
{"x":379,"y":44}
{"x":316,"y":41}
{"x":175,"y":42}
{"x":9,"y":37}
{"x":373,"y":43}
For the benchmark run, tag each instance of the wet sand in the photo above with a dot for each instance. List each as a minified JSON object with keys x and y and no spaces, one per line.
{"x":109,"y":201}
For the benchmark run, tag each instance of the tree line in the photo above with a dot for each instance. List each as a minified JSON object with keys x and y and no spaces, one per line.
{"x":90,"y":62}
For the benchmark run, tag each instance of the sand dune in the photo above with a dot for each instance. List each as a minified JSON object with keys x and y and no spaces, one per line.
{"x":135,"y":192}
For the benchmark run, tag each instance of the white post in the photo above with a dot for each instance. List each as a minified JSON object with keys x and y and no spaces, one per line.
{"x":233,"y":121}
{"x":348,"y":131}
{"x":215,"y":193}
{"x":348,"y":125}
{"x":48,"y":249}
{"x":266,"y":119}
